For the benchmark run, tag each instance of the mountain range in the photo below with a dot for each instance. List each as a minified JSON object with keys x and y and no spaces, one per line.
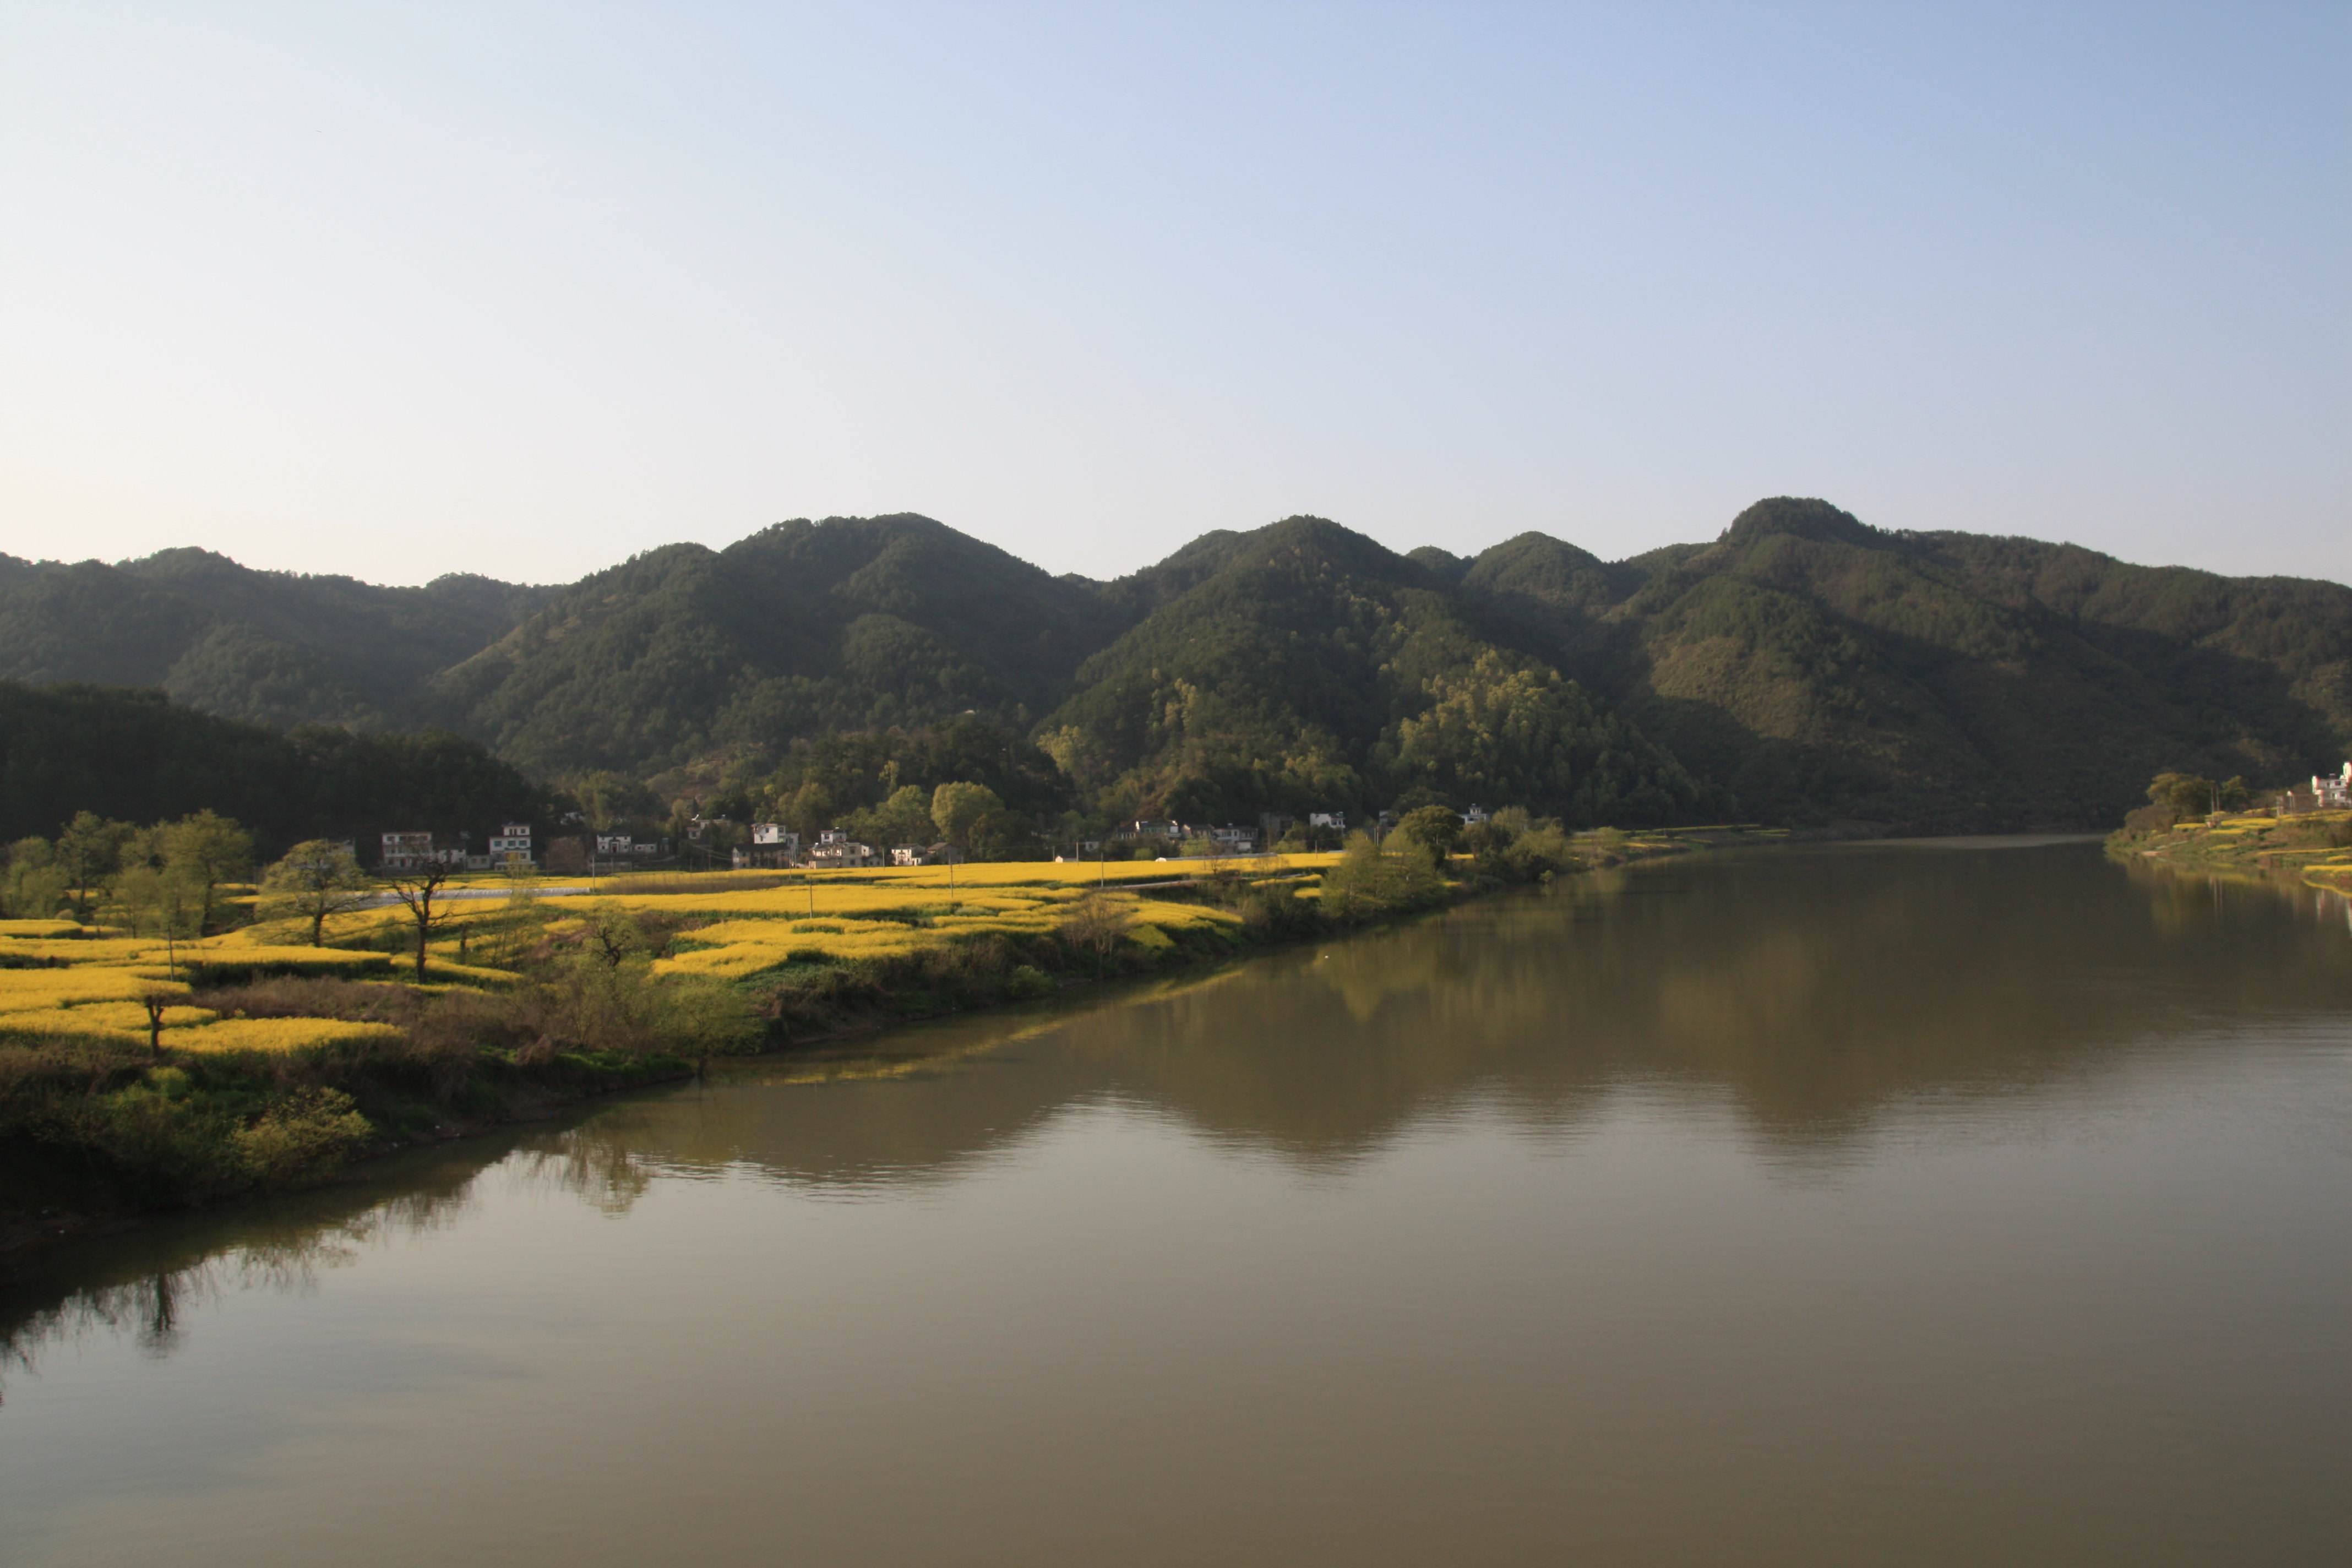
{"x":1803,"y":667}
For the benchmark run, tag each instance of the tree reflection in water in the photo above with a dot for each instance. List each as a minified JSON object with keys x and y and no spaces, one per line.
{"x":1808,"y":991}
{"x":143,"y":1284}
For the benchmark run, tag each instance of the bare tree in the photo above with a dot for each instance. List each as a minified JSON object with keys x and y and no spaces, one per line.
{"x":155,"y":1002}
{"x":1096,"y":922}
{"x":415,"y":890}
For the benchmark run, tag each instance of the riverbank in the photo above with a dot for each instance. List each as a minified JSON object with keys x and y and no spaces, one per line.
{"x":2312,"y":846}
{"x":137,"y":1074}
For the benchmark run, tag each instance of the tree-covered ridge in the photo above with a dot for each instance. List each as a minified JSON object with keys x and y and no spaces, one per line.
{"x":1823,"y":670}
{"x":275,"y":648}
{"x":1311,"y":669}
{"x":802,"y":628}
{"x":1802,"y":667}
{"x":136,"y":756}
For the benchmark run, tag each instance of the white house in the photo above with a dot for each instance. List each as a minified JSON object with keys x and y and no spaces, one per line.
{"x":1337,"y":821}
{"x":834,"y":848}
{"x":2332,"y":793}
{"x":405,"y":851}
{"x":511,"y":842}
{"x":772,"y":846}
{"x":1233,"y":840}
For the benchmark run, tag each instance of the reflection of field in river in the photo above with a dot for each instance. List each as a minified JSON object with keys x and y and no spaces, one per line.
{"x":1955,"y":1204}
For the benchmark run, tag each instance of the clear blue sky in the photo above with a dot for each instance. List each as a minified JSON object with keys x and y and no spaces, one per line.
{"x":402,"y":290}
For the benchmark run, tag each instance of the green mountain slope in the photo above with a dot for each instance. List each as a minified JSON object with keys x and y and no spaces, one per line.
{"x":1824,"y":670}
{"x":137,"y":756}
{"x":1802,"y":668}
{"x":802,"y":628}
{"x":1304,"y":667}
{"x":271,"y":646}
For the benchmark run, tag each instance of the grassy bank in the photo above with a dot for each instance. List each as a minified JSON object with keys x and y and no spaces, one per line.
{"x":2312,"y":847}
{"x":137,"y":1074}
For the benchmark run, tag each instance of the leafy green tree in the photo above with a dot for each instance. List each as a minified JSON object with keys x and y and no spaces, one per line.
{"x":160,"y":900}
{"x":205,"y":849}
{"x":959,"y":810}
{"x":1372,"y":879}
{"x":2184,"y":795}
{"x":807,"y":810}
{"x":89,"y":850}
{"x":609,"y":799}
{"x":317,"y":880}
{"x":904,"y":818}
{"x":1435,"y":828}
{"x":33,"y":886}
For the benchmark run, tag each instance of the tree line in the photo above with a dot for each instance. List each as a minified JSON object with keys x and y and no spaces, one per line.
{"x":173,"y":878}
{"x":132,"y":755}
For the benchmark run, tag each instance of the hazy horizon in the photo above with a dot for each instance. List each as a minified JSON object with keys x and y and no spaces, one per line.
{"x":396,"y":291}
{"x":1048,"y":566}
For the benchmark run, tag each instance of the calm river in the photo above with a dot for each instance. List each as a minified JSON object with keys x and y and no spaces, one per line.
{"x":1971,"y":1203}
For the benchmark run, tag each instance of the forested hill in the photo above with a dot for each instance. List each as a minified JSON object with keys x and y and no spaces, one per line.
{"x":271,"y":646}
{"x":1802,"y":668}
{"x":1822,"y":670}
{"x":137,"y":757}
{"x":800,"y":629}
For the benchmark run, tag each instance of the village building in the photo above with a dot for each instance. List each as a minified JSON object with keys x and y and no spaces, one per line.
{"x":836,"y":851}
{"x":772,"y":847}
{"x":1337,"y":821}
{"x":510,"y":843}
{"x":926,"y":855}
{"x":405,"y":851}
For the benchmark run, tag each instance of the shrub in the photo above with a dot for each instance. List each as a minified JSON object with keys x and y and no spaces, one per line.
{"x":1435,"y":829}
{"x":449,"y":1036}
{"x":1093,"y":924}
{"x":294,"y":996}
{"x":1371,"y":881}
{"x":313,"y":1129}
{"x":1540,"y":847}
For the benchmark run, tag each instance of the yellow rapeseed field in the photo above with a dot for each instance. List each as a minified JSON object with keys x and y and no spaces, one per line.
{"x":60,"y":980}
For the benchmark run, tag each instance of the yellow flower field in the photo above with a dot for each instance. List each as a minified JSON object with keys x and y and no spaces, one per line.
{"x":60,"y":980}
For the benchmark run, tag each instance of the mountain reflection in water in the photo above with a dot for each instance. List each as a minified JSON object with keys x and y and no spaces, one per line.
{"x":1812,"y":988}
{"x":1799,"y":1007}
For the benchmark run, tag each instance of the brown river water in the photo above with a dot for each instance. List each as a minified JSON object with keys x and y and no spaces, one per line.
{"x":1976,"y":1203}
